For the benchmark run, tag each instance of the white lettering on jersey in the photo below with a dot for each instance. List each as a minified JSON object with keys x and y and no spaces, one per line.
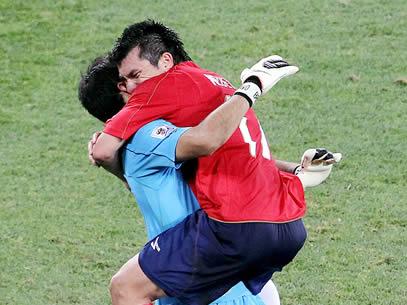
{"x":246,"y":137}
{"x":218,"y":81}
{"x":161,"y":132}
{"x":266,"y":150}
{"x":154,"y":245}
{"x":252,"y":144}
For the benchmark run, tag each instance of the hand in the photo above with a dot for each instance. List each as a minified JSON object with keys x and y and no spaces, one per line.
{"x":269,"y":71}
{"x":316,"y":166}
{"x":319,"y":156}
{"x":91,"y":144}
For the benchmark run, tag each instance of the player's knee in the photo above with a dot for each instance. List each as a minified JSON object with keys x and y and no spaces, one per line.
{"x":119,"y":288}
{"x":123,"y":290}
{"x":114,"y":287}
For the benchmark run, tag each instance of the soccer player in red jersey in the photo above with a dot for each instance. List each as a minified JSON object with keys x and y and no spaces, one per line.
{"x":251,"y":223}
{"x":250,"y":188}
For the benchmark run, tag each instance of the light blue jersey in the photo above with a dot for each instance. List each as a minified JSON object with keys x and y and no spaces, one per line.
{"x":163,"y":196}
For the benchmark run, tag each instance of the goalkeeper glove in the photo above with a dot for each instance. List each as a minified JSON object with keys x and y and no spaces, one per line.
{"x":316,"y":166}
{"x":260,"y":78}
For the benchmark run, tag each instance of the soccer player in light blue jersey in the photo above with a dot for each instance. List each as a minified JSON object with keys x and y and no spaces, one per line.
{"x":162,"y":194}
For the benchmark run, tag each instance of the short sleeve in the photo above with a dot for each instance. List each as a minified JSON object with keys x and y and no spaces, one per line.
{"x":151,"y":149}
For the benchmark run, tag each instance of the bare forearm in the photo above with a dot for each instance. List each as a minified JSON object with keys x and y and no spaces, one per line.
{"x":105,"y":153}
{"x":286,"y":166}
{"x":214,"y":131}
{"x":113,"y":166}
{"x":222,"y":122}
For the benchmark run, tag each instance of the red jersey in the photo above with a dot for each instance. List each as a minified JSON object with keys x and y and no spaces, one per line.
{"x":238,"y":182}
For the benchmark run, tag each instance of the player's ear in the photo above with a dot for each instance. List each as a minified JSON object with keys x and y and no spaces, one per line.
{"x":166,"y":61}
{"x":122,"y":86}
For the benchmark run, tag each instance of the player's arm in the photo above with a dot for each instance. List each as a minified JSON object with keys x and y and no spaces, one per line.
{"x":105,"y":152}
{"x":285,"y":166}
{"x":216,"y":129}
{"x":315,"y":167}
{"x":213,"y":131}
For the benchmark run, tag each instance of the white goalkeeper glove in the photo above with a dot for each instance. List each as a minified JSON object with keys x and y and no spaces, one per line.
{"x":263,"y":76}
{"x":316,"y":165}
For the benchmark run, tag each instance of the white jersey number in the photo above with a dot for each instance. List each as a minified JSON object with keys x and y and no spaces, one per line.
{"x":252,"y":145}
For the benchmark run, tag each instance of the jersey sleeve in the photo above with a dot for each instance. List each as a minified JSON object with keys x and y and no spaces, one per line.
{"x":134,"y":115}
{"x":151,"y":149}
{"x":147,"y":104}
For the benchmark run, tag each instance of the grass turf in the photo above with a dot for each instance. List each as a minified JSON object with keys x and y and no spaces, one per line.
{"x":67,"y":227}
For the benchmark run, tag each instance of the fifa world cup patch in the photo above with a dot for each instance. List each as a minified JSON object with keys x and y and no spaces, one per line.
{"x":161,"y":132}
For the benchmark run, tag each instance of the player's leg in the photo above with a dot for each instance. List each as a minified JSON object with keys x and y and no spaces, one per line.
{"x":284,"y":241}
{"x":131,"y":286}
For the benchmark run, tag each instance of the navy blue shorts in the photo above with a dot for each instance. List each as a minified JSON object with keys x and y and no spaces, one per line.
{"x":200,"y":259}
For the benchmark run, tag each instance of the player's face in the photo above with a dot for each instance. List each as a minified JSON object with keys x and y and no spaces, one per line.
{"x":135,"y":70}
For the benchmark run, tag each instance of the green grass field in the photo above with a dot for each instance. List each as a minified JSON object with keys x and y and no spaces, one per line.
{"x":66,"y":227}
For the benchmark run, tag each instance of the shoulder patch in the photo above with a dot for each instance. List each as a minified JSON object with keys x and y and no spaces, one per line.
{"x":161,"y":132}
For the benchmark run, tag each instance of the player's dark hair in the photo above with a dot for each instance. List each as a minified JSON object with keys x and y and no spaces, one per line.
{"x":153,"y":39}
{"x":97,"y":89}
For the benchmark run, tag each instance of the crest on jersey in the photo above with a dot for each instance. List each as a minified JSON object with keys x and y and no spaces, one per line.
{"x":161,"y":132}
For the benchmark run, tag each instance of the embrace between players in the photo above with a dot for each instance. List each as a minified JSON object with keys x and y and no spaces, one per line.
{"x":221,"y":213}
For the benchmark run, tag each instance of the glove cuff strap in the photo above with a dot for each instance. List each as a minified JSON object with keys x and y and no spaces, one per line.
{"x":250,"y":91}
{"x":297,"y":169}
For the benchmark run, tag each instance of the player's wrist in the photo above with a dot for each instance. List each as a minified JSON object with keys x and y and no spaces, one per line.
{"x":297,"y":169}
{"x":254,"y":79}
{"x":250,"y":91}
